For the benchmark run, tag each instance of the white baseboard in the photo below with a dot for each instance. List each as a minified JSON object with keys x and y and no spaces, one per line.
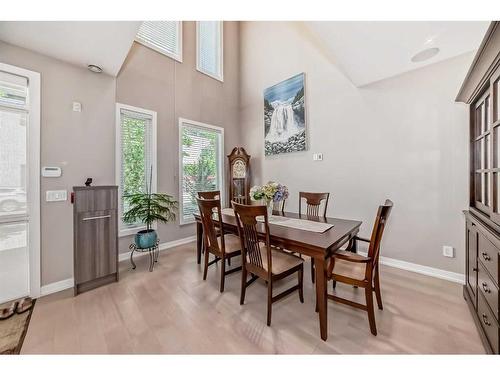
{"x":163,"y":246}
{"x":424,"y":270}
{"x":69,"y":283}
{"x":56,"y":287}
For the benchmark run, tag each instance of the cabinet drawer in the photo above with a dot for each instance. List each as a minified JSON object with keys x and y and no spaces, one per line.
{"x":488,"y":322}
{"x":96,"y":199}
{"x":488,"y":255}
{"x":488,"y":289}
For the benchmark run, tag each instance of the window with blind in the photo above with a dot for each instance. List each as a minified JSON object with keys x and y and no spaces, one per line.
{"x":209,"y":48}
{"x":136,"y":156}
{"x":201,"y":164}
{"x":162,"y":36}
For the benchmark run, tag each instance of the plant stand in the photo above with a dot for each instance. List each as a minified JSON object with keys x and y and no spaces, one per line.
{"x":153,"y":251}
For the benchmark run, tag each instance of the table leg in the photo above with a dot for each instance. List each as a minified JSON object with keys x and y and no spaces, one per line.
{"x":199,"y":237}
{"x":321,"y":295}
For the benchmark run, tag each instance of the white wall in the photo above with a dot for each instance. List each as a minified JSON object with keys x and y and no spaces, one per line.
{"x":403,"y":138}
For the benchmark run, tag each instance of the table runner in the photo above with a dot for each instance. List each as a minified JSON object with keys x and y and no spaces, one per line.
{"x":307,"y":225}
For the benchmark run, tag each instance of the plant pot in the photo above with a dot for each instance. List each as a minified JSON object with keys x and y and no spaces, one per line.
{"x":145,"y":239}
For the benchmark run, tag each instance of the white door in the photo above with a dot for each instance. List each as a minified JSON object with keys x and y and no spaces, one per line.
{"x":19,"y":183}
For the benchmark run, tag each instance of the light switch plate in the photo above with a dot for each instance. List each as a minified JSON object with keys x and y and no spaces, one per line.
{"x":448,"y":251}
{"x":56,"y":195}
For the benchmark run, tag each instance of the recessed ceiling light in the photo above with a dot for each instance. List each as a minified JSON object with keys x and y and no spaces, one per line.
{"x":94,"y":68}
{"x":425,"y":54}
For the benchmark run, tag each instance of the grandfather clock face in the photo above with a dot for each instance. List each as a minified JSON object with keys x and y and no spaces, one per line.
{"x":239,"y":169}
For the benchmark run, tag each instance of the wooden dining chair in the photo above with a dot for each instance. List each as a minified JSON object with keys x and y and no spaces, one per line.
{"x":313,"y":204}
{"x":362,"y":271}
{"x":261,"y":260}
{"x":279,"y":206}
{"x":223,"y":246}
{"x":209,"y":194}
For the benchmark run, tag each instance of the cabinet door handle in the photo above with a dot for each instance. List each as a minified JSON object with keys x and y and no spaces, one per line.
{"x":485,"y":320}
{"x":96,"y":217}
{"x":474,"y":269}
{"x":486,"y":256}
{"x":485,"y":287}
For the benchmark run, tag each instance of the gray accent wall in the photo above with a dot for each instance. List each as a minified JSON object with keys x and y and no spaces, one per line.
{"x":81,"y":143}
{"x":402,"y":138}
{"x":177,"y":90}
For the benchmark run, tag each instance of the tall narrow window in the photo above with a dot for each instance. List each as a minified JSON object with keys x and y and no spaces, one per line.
{"x":136,"y":156}
{"x":162,"y":36}
{"x":209,"y":48}
{"x":201,"y":163}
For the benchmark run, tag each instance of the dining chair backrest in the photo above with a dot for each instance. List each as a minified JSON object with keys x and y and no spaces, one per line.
{"x":209,"y":194}
{"x":313,"y":203}
{"x":383,"y":213}
{"x":279,"y":206}
{"x":208,"y":207}
{"x":251,"y":239}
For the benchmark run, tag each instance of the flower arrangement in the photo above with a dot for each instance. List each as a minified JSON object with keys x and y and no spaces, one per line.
{"x":272,"y":191}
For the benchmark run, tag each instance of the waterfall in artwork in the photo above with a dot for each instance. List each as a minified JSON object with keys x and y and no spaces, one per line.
{"x":283,"y":124}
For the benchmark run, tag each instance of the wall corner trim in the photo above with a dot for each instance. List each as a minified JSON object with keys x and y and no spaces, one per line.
{"x":69,"y":283}
{"x":455,"y":277}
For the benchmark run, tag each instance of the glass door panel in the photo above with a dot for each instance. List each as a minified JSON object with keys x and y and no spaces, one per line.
{"x":14,"y":218}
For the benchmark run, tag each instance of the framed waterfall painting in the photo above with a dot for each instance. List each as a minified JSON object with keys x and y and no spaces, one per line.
{"x":284,"y":116}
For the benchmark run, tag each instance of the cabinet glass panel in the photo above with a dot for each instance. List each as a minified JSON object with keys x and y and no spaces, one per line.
{"x":487,"y":151}
{"x":478,"y":121}
{"x":478,"y":191}
{"x":486,"y":123}
{"x":482,"y":154}
{"x":496,"y":192}
{"x":497,"y":100}
{"x":485,"y":188}
{"x":496,"y":147}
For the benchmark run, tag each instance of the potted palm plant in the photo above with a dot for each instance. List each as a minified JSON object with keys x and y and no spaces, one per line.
{"x":149,"y":208}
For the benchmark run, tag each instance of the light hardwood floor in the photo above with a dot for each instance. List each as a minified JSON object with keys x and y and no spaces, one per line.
{"x":172,"y":310}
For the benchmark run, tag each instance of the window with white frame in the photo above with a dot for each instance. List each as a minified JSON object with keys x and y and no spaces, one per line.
{"x":135,"y":156}
{"x":162,"y":36}
{"x":209,"y":48}
{"x":201,"y":160}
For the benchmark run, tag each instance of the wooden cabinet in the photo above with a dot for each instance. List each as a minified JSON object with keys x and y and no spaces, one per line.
{"x":95,"y":220}
{"x":471,"y":261}
{"x":482,"y":280}
{"x":481,"y":91}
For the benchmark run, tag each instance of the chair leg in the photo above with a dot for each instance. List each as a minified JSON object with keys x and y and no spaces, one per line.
{"x":312,"y":270}
{"x":206,"y":265}
{"x":377,"y":290}
{"x":269,"y":301}
{"x":301,"y":283}
{"x":334,"y":284}
{"x":371,"y":312}
{"x":222,"y":274}
{"x":243,"y":284}
{"x":228,"y":261}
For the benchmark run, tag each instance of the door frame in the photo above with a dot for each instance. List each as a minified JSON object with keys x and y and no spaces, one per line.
{"x":33,"y":173}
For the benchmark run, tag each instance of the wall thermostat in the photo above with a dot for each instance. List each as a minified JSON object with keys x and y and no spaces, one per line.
{"x":51,"y":172}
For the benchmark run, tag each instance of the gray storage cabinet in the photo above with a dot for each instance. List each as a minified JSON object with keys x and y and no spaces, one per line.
{"x":95,"y":231}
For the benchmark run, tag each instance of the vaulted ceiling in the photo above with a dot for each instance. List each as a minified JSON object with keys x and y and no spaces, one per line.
{"x":102,"y":43}
{"x":369,"y":51}
{"x":365,"y":51}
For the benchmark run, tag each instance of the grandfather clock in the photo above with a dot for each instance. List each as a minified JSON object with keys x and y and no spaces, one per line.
{"x":239,"y":176}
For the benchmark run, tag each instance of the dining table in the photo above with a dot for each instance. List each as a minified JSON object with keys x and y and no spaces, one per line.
{"x":320,"y":246}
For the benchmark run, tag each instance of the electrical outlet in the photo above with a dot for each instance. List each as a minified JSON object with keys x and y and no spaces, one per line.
{"x":77,"y":107}
{"x":318,"y":157}
{"x":448,"y":251}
